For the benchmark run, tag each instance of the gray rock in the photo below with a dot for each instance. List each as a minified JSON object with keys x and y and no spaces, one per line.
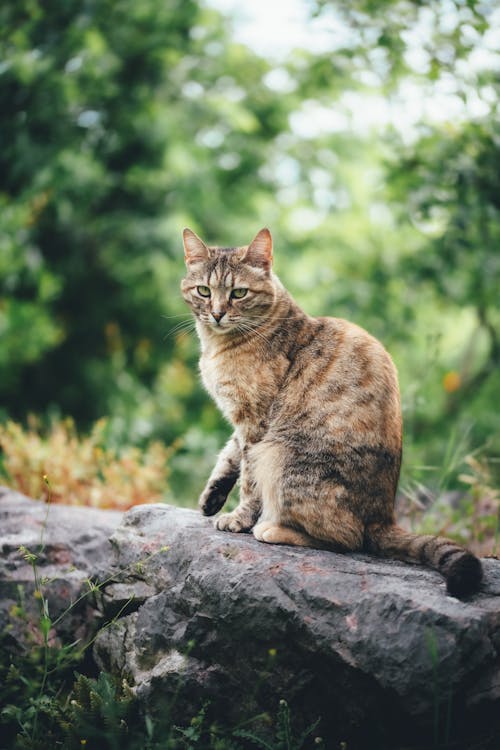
{"x":372,"y":646}
{"x":72,"y":550}
{"x":376,"y":648}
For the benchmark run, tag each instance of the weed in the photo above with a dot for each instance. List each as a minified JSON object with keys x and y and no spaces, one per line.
{"x":483,"y":517}
{"x":284,"y":737}
{"x":83,"y":469}
{"x":470,"y":516}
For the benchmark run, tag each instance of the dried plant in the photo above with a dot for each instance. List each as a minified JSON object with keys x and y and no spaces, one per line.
{"x":81,"y":470}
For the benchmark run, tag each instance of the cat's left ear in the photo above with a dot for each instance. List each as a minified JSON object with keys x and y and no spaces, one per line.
{"x":195,"y":250}
{"x":260,"y":250}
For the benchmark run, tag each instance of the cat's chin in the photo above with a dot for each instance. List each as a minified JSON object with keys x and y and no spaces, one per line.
{"x":221,"y":329}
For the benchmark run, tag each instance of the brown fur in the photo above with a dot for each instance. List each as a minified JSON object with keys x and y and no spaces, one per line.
{"x":315,"y":407}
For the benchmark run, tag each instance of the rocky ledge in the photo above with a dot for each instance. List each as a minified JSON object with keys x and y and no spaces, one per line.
{"x":376,"y":649}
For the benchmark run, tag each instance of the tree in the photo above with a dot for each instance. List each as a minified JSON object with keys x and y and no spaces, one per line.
{"x":125,"y":121}
{"x":120,"y":125}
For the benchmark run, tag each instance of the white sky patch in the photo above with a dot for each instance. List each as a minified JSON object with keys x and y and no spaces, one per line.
{"x":314,"y":119}
{"x":279,"y":79}
{"x":274,"y":29}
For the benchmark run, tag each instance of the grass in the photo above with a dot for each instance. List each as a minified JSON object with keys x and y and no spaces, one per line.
{"x":469,"y":514}
{"x":61,"y":707}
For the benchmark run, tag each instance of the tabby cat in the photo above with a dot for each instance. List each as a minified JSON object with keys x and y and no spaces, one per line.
{"x":315,"y":407}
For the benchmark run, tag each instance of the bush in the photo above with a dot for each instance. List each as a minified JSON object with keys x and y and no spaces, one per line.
{"x":59,"y":465}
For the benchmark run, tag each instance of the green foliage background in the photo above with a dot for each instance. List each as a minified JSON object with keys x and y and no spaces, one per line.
{"x":125,"y":120}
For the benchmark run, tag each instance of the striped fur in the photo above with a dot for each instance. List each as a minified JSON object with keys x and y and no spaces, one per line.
{"x":315,"y":407}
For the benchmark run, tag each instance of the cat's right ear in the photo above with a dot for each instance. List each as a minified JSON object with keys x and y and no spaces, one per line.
{"x":195,"y":250}
{"x":260,"y":250}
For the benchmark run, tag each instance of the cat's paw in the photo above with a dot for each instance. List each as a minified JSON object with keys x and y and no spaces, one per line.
{"x":211,"y":500}
{"x":260,"y":528}
{"x":234,"y":521}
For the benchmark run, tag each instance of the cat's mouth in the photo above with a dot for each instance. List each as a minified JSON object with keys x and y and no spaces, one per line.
{"x":222,"y":326}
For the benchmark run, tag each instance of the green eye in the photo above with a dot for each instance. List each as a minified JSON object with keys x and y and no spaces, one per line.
{"x":238,"y":293}
{"x":203,"y":291}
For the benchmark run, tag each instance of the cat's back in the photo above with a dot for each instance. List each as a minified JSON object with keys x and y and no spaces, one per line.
{"x":342,"y":379}
{"x":336,"y":349}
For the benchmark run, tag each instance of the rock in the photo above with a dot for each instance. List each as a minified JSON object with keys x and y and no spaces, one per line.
{"x":373,"y":647}
{"x":376,"y":648}
{"x":72,"y":550}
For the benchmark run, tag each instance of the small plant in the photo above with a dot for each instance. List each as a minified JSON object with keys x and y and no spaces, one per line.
{"x":99,"y":713}
{"x":82,"y":470}
{"x":34,"y":683}
{"x":285,"y":738}
{"x":471,"y":516}
{"x":483,"y":518}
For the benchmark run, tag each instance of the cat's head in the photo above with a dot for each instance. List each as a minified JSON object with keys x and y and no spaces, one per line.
{"x":229,"y":288}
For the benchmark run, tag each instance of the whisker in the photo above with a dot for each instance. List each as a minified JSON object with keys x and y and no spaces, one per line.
{"x":182,"y":324}
{"x":182,"y":335}
{"x":183,"y":327}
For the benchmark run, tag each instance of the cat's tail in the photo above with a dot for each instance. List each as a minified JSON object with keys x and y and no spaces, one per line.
{"x":461,"y":569}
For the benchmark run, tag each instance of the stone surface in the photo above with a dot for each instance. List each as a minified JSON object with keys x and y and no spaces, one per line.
{"x":367,"y":644}
{"x":375,"y":648}
{"x":72,"y":547}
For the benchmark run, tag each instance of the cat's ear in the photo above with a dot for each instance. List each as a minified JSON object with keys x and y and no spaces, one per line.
{"x":195,"y":250}
{"x":260,"y":250}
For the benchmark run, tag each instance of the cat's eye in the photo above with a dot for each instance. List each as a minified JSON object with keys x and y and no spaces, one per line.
{"x":238,"y":293}
{"x":203,"y":291}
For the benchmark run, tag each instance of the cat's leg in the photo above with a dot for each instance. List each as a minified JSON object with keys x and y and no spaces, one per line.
{"x":243,"y":517}
{"x":329,"y":523}
{"x":309,"y":523}
{"x":275,"y":533}
{"x":269,"y":531}
{"x":222,"y":479}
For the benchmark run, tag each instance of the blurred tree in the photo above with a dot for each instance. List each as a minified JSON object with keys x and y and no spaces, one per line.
{"x":435,"y":265}
{"x":120,"y":122}
{"x":124,"y":121}
{"x":451,"y":183}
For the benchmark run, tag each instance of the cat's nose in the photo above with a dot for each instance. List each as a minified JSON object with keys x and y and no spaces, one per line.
{"x":217,"y":316}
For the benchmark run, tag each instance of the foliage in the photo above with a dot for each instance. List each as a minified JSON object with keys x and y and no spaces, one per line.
{"x":81,"y":470}
{"x":27,"y":709}
{"x":100,"y":712}
{"x":113,"y":118}
{"x":451,"y":184}
{"x":470,"y":515}
{"x":380,"y":41}
{"x":124,"y":121}
{"x":284,"y":738}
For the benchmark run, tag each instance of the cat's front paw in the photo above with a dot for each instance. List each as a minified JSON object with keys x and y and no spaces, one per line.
{"x":211,"y":500}
{"x":235,"y":521}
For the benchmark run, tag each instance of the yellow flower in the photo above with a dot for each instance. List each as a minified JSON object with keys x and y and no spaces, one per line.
{"x":452,"y":381}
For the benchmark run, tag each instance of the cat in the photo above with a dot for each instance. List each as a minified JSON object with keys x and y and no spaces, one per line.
{"x":315,"y":407}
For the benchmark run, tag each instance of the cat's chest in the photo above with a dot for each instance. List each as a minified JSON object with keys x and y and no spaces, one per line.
{"x":244,"y":387}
